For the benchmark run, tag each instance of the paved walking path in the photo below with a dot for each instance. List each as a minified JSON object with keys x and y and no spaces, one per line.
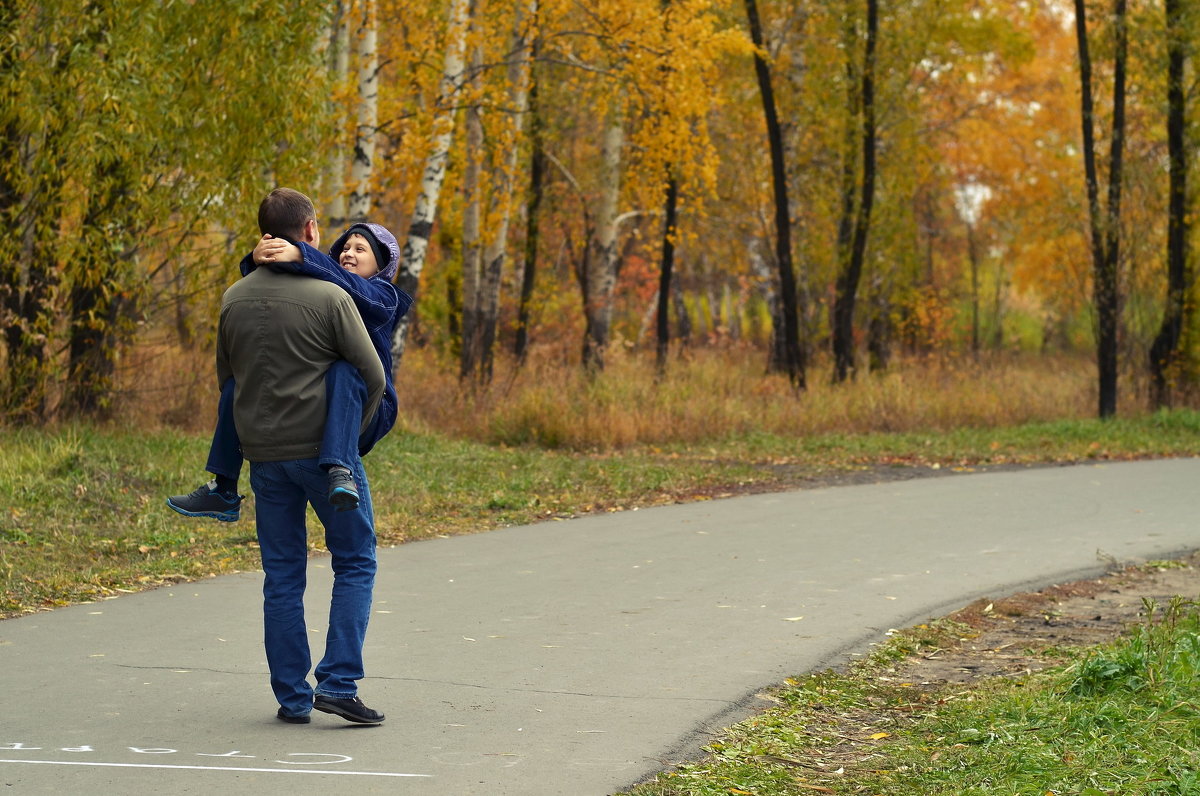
{"x":563,"y":658}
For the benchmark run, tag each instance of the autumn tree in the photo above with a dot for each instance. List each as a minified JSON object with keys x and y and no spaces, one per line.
{"x":793,"y":361}
{"x":858,"y":187}
{"x":1164,"y":353}
{"x":133,"y":130}
{"x":1104,"y":222}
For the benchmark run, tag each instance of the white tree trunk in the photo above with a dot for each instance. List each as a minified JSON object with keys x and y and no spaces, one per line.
{"x":334,"y":187}
{"x":603,"y":255}
{"x":502,"y":182}
{"x":412,"y":258}
{"x":367,"y":61}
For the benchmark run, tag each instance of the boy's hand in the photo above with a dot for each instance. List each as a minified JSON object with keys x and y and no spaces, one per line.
{"x":270,"y":251}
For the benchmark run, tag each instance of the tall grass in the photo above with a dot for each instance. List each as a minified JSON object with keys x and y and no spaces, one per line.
{"x":707,"y":395}
{"x":718,"y":394}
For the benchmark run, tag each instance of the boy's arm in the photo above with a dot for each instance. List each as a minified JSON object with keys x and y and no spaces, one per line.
{"x":377,"y":299}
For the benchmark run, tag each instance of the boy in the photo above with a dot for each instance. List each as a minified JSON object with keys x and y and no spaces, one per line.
{"x":354,"y":264}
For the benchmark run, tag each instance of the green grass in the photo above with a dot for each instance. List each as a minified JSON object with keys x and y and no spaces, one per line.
{"x":83,"y":508}
{"x":1121,"y":719}
{"x":1117,"y":719}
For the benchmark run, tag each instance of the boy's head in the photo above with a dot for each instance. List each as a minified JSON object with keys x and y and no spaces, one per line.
{"x":289,"y":214}
{"x":358,"y":255}
{"x":367,"y":247}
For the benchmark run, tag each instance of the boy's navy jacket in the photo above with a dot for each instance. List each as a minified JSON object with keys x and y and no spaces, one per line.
{"x":381,"y":305}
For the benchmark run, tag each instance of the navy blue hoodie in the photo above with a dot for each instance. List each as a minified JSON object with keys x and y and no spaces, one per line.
{"x":380,"y":303}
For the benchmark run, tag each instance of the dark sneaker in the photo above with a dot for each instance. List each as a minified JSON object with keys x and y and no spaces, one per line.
{"x":208,"y":502}
{"x":351,"y":709}
{"x":343,"y":494}
{"x":290,"y":719}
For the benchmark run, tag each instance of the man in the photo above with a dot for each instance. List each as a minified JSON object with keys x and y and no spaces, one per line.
{"x":278,"y":335}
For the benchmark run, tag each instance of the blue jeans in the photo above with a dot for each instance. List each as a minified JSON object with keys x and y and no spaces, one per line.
{"x":225,"y":452}
{"x":345,"y":394}
{"x":282,"y":490}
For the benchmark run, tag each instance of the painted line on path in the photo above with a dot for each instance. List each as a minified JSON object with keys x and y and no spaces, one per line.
{"x":217,"y":768}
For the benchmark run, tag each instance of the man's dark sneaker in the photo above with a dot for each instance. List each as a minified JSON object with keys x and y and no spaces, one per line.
{"x":351,"y":709}
{"x":343,"y":494}
{"x":208,"y":502}
{"x":290,"y":719}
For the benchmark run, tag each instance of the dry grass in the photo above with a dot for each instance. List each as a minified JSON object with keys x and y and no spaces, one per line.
{"x":716,"y":394}
{"x":710,"y":394}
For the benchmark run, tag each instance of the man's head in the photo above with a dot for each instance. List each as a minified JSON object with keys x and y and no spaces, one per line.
{"x":289,"y":214}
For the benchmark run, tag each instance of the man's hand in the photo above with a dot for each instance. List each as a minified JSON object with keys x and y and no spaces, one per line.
{"x":271,"y":251}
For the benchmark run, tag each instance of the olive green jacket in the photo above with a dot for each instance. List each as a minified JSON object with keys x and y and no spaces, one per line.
{"x":277,"y":336}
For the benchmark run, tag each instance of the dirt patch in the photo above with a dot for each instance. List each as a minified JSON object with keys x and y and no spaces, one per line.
{"x":1015,"y":633}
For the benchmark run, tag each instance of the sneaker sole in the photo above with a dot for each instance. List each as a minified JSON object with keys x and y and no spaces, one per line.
{"x":343,"y":499}
{"x":346,"y":714}
{"x":223,"y":516}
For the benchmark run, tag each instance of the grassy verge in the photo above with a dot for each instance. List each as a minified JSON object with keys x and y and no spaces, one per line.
{"x":83,"y":508}
{"x":84,"y":513}
{"x":1121,"y":718}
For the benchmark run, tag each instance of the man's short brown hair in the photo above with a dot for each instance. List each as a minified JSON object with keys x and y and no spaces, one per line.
{"x":284,"y":213}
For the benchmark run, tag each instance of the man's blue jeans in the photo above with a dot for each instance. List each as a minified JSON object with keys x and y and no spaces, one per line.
{"x":282,"y":490}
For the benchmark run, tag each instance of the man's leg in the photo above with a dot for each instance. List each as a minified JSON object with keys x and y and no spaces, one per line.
{"x":218,"y":498}
{"x":350,"y":539}
{"x":345,"y":394}
{"x":280,"y":502}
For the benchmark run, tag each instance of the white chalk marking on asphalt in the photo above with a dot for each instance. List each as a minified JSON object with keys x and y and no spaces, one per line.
{"x":218,"y":768}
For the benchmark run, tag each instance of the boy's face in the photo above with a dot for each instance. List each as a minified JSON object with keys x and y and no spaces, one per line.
{"x":358,"y":257}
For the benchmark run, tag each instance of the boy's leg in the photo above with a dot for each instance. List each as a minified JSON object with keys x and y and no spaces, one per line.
{"x":218,"y":498}
{"x":225,"y":452}
{"x":345,"y":394}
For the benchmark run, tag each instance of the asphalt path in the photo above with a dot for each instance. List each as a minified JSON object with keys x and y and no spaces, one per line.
{"x":570,"y":657}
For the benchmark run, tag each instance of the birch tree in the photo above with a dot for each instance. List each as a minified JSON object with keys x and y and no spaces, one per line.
{"x":600,"y":264}
{"x":366,"y":56}
{"x":338,"y":65}
{"x":480,"y":337}
{"x":416,"y":244}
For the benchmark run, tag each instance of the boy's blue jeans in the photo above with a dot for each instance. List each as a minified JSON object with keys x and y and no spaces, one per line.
{"x":282,"y":491}
{"x":345,"y":394}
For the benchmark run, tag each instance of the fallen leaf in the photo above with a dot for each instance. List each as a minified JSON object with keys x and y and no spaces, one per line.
{"x":879,"y":736}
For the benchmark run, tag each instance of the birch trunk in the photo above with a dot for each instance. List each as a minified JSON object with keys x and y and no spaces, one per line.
{"x":335,"y":168}
{"x":601,"y":276}
{"x":519,"y":68}
{"x":412,"y":257}
{"x":367,"y":62}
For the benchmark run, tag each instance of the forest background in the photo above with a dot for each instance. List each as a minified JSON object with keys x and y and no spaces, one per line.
{"x":625,"y":221}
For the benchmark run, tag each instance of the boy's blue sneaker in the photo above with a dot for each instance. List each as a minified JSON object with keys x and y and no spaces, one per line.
{"x":208,"y":502}
{"x":343,"y":494}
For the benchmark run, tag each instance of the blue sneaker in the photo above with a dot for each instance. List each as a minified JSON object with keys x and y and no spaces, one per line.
{"x":208,"y":502}
{"x":343,"y":494}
